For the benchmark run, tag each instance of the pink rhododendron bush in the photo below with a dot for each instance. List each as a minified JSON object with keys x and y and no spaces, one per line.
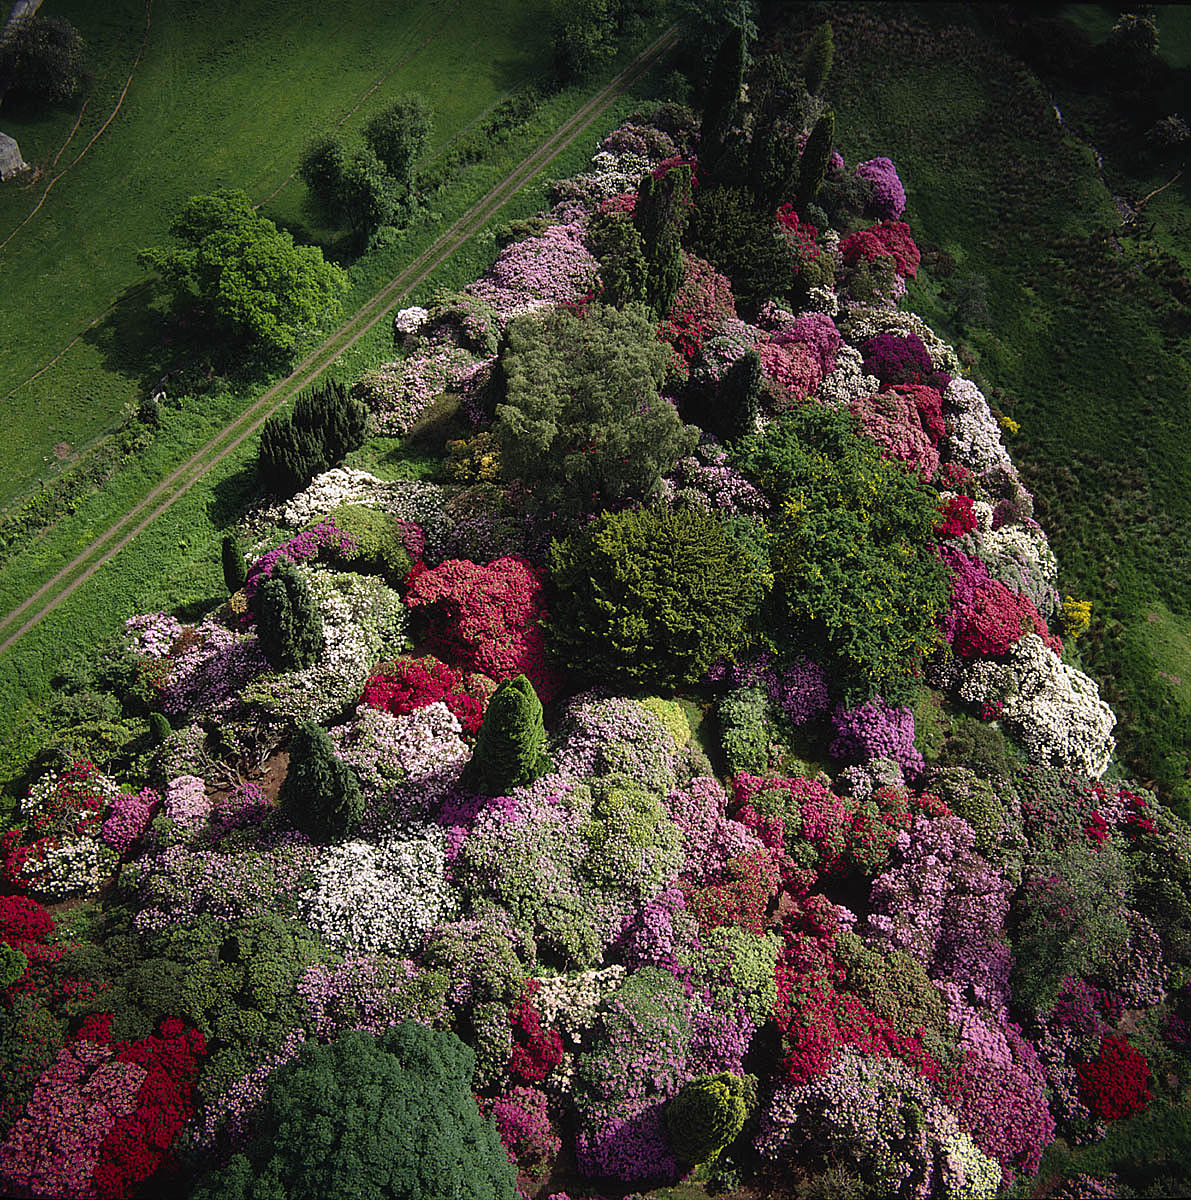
{"x":868,"y":906}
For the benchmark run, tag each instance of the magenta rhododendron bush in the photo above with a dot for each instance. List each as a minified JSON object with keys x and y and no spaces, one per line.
{"x":929,"y":930}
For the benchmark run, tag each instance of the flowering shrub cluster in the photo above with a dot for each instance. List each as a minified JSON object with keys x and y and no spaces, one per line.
{"x":934,"y":969}
{"x":486,"y":619}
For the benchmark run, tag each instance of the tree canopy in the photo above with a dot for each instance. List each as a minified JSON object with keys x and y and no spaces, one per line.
{"x":853,"y":558}
{"x":583,"y":423}
{"x":385,"y":1118}
{"x":242,"y":277}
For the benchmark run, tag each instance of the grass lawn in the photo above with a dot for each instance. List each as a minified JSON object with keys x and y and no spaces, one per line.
{"x":226,"y":94}
{"x":1084,"y":346}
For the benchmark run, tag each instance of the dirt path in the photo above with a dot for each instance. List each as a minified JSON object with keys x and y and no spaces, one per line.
{"x":162,"y":497}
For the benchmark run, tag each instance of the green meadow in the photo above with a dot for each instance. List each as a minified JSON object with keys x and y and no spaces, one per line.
{"x":225,"y":94}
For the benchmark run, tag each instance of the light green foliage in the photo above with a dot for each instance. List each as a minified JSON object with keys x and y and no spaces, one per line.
{"x":582,"y":421}
{"x":631,"y":845}
{"x":989,"y":807}
{"x":511,"y":744}
{"x":744,"y":732}
{"x":650,"y":598}
{"x":245,"y":277}
{"x":739,"y":966}
{"x":707,"y":1114}
{"x":492,"y":1041}
{"x":392,"y":1118}
{"x":852,"y":550}
{"x":379,"y":549}
{"x":288,"y":625}
{"x":672,"y":715}
{"x":486,"y":957}
{"x":12,"y":965}
{"x":321,"y":794}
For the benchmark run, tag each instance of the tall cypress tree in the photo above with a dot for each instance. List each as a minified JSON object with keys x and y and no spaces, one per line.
{"x":235,"y":568}
{"x":662,"y":210}
{"x":511,"y":745}
{"x":815,"y":157}
{"x":817,"y":58}
{"x":739,"y":397}
{"x":321,"y":793}
{"x":288,"y":625}
{"x":723,"y":99}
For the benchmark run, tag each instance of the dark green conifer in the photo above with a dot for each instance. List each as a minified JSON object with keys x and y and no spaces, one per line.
{"x":159,"y":727}
{"x":817,"y":58}
{"x":320,"y":794}
{"x":235,"y":566}
{"x":288,"y":624}
{"x":511,"y":745}
{"x":723,"y":99}
{"x":815,"y":157}
{"x":739,"y":398}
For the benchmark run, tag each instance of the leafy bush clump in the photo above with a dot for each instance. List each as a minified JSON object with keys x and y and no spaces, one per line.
{"x":853,"y":556}
{"x":324,"y":1133}
{"x":651,"y":598}
{"x":377,"y":543}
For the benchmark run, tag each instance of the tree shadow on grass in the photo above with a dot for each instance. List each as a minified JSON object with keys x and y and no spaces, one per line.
{"x":232,"y":495}
{"x":146,"y":338}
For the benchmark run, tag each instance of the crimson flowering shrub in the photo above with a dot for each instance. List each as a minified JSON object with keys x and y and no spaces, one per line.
{"x":986,"y":617}
{"x":103,"y":1117}
{"x":894,"y":359}
{"x":524,"y":1128}
{"x":1115,"y":1085}
{"x":26,"y":926}
{"x":741,"y":897}
{"x":816,"y":1018}
{"x":957,"y":517}
{"x":406,"y":684}
{"x":928,"y":400}
{"x":802,"y":234}
{"x":536,"y":1051}
{"x":702,"y":303}
{"x":486,"y":618}
{"x":138,"y":1143}
{"x":890,"y":240}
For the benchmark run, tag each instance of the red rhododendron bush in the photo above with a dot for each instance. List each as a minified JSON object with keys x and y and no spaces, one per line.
{"x":485,"y":619}
{"x":861,"y":903}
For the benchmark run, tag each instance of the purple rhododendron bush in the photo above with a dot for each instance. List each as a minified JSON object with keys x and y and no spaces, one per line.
{"x":743,"y":811}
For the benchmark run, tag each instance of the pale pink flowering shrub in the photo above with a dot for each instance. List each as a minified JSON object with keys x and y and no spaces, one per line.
{"x":891,"y":419}
{"x":553,"y":268}
{"x":186,"y":804}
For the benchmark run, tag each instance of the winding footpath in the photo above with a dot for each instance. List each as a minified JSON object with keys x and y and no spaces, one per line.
{"x":15,"y":624}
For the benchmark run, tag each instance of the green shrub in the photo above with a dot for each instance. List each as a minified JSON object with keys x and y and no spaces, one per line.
{"x":582,"y":421}
{"x":288,"y":625}
{"x":378,"y":545}
{"x":320,"y":795}
{"x":391,"y":1117}
{"x":741,"y":239}
{"x":235,"y":566}
{"x":744,"y":732}
{"x":13,"y":964}
{"x":326,"y":424}
{"x":650,"y":598}
{"x":852,"y":551}
{"x":511,"y":744}
{"x":42,"y":61}
{"x":707,"y":1114}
